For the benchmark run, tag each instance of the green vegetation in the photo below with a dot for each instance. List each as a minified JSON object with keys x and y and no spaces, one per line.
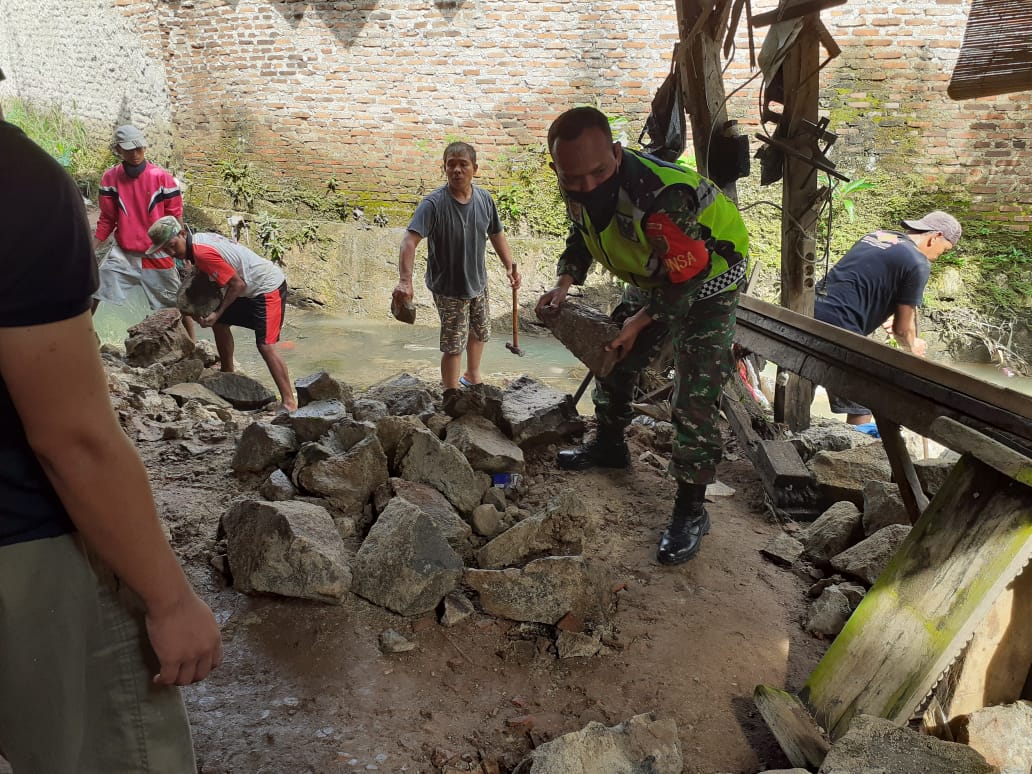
{"x":64,"y":138}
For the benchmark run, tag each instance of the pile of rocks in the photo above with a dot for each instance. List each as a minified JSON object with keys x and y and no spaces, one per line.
{"x":387,"y":493}
{"x":863,"y":523}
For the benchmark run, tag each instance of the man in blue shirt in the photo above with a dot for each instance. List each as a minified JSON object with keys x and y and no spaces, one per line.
{"x":884,"y":275}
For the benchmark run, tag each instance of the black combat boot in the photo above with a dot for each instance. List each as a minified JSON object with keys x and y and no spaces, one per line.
{"x":608,"y":450}
{"x":681,"y":540}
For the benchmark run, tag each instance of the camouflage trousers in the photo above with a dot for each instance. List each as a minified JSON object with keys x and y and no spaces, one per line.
{"x":702,"y":337}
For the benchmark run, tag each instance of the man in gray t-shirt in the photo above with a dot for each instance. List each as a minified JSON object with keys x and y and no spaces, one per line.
{"x":457,"y":219}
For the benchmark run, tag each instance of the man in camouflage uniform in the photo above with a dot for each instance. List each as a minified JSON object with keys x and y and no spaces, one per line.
{"x":681,"y":246}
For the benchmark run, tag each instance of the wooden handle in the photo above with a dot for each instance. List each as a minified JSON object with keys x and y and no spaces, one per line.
{"x":515,"y":314}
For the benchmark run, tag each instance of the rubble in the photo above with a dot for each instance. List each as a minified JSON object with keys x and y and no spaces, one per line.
{"x":159,"y":338}
{"x":560,"y":529}
{"x":534,"y":414}
{"x":346,"y":479}
{"x":321,"y":386}
{"x":1003,"y":735}
{"x":868,"y":558}
{"x":484,"y":445}
{"x":286,"y":548}
{"x":243,"y":392}
{"x":263,"y":446}
{"x":313,"y":420}
{"x":835,"y":530}
{"x":431,"y":461}
{"x":586,"y":332}
{"x":932,"y":473}
{"x":184,"y":391}
{"x":883,"y":506}
{"x":403,"y":394}
{"x":841,"y":475}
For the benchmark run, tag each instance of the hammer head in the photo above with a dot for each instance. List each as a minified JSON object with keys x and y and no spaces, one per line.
{"x":513,"y":348}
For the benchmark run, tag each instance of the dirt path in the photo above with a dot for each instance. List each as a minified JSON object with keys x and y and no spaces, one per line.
{"x":304,"y":688}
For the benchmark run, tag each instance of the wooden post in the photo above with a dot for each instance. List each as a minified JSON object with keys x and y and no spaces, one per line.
{"x":910,"y":491}
{"x":702,"y":76}
{"x":799,"y":216}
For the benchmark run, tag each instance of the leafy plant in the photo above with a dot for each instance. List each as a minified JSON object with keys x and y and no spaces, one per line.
{"x":267,"y":229}
{"x":241,"y":182}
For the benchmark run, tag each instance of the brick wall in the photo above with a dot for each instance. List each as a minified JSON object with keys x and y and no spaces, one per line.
{"x":368,"y":91}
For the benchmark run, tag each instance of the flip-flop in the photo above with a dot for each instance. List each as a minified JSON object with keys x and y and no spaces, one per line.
{"x":465,"y":382}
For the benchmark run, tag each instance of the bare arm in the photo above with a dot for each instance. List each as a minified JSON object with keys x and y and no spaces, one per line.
{"x":406,"y":262}
{"x":904,"y":328}
{"x":501,"y":246}
{"x":59,"y":390}
{"x":235,"y":288}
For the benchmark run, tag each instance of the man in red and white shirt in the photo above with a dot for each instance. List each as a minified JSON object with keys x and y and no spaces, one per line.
{"x":133,"y":195}
{"x":255,"y":293}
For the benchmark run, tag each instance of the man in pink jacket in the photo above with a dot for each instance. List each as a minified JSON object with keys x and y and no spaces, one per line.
{"x":133,"y":195}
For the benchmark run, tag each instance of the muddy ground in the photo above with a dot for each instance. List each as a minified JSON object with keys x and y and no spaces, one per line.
{"x":304,"y":688}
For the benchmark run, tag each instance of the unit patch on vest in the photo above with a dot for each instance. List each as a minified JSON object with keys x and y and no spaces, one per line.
{"x":684,"y":257}
{"x":625,"y":225}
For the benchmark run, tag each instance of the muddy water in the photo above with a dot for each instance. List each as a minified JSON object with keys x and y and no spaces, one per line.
{"x":363,"y":351}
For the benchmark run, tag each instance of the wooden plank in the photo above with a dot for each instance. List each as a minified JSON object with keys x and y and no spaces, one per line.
{"x":914,"y":498}
{"x":997,"y":661}
{"x":970,"y":543}
{"x":792,"y":10}
{"x":965,"y":440}
{"x":804,"y":744}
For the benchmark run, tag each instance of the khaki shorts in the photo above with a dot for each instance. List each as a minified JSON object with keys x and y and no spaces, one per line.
{"x":76,"y":695}
{"x":123,"y":270}
{"x":462,"y":319}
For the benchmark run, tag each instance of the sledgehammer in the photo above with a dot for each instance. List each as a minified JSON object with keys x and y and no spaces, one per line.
{"x":514,"y":345}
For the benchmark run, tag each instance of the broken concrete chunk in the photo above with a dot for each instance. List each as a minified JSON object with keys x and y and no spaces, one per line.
{"x":484,"y":445}
{"x":562,"y":528}
{"x":873,"y":744}
{"x":243,"y":392}
{"x":868,"y":558}
{"x":442,"y":466}
{"x":783,"y":549}
{"x":287,"y":548}
{"x":546,"y":590}
{"x":395,"y":434}
{"x":835,"y":530}
{"x":321,"y":386}
{"x":436,"y":507}
{"x":842,"y":475}
{"x":263,"y":446}
{"x":403,"y":394}
{"x":312,"y":421}
{"x":534,"y":414}
{"x":347,"y":480}
{"x":405,"y":564}
{"x":882,"y":506}
{"x":641,"y":745}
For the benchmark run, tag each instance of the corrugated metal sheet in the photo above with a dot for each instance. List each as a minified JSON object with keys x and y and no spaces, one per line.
{"x":996,"y":56}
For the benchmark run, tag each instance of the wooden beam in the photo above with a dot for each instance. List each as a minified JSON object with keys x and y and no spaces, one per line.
{"x":803,"y":742}
{"x":798,"y":199}
{"x":914,"y":499}
{"x":790,"y":10}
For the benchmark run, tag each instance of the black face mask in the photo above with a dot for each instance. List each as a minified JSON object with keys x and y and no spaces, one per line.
{"x":134,"y":171}
{"x":600,"y":202}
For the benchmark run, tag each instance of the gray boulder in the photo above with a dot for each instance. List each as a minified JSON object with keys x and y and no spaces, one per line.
{"x":783,"y":549}
{"x":932,"y":473}
{"x":290,"y":548}
{"x":245,"y":393}
{"x":487,"y":520}
{"x":546,"y":590}
{"x":868,"y":558}
{"x":321,"y":386}
{"x":199,"y":295}
{"x":876,"y":745}
{"x":442,"y":466}
{"x":395,"y":433}
{"x":484,"y":445}
{"x":346,"y":433}
{"x":182,"y":392}
{"x":483,"y":400}
{"x":405,"y":564}
{"x":277,"y":487}
{"x":347,"y":479}
{"x":403,"y":394}
{"x":312,"y":421}
{"x":369,"y":410}
{"x":883,"y":506}
{"x":434,"y":505}
{"x":1002,"y":734}
{"x":184,"y":371}
{"x":829,"y":612}
{"x":835,"y":530}
{"x":640,"y":745}
{"x":159,"y":338}
{"x":535,"y":414}
{"x":842,"y":475}
{"x":263,"y":446}
{"x":562,"y":528}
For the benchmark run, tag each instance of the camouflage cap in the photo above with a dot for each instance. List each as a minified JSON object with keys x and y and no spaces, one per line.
{"x":163,"y":231}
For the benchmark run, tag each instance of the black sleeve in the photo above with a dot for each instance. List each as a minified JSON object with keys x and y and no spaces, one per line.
{"x":49,"y":271}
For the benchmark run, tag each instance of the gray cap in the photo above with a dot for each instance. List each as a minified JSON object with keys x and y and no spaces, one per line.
{"x":128,"y":137}
{"x":937,"y":221}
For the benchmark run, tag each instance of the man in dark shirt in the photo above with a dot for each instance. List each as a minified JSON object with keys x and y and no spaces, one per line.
{"x":884,"y":275}
{"x":457,"y":220}
{"x":98,"y":623}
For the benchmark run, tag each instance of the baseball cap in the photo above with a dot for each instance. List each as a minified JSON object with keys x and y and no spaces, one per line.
{"x":161,"y":232}
{"x":128,"y":137}
{"x":937,"y":221}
